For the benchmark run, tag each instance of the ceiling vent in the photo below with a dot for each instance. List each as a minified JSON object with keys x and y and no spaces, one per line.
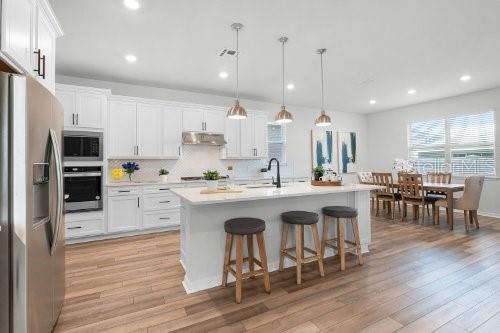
{"x":227,"y":53}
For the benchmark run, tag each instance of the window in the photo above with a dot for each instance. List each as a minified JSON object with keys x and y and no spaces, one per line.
{"x":464,"y":145}
{"x":276,"y":140}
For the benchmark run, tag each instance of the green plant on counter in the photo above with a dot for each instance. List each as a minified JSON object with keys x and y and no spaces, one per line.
{"x":211,"y":175}
{"x":163,"y":172}
{"x":319,"y":171}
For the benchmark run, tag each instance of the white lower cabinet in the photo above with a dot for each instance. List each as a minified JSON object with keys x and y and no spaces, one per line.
{"x":84,"y":228}
{"x":124,"y":213}
{"x":142,"y":207}
{"x":161,"y":219}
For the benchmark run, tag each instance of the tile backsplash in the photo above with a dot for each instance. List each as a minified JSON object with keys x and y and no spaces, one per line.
{"x":194,"y":161}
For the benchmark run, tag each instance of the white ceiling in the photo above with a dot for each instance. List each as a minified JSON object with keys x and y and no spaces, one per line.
{"x":376,"y":48}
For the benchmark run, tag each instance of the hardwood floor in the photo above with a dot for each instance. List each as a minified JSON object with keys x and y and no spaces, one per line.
{"x":417,"y":278}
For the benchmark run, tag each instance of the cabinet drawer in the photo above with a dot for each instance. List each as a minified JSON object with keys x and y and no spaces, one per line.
{"x":160,"y":189}
{"x":161,"y":218}
{"x":160,"y":202}
{"x":84,"y":228}
{"x":117,"y":191}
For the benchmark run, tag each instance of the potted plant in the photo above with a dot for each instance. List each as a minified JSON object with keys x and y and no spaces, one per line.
{"x":319,"y":171}
{"x":163,"y":173}
{"x":130,"y":168}
{"x":212,"y":178}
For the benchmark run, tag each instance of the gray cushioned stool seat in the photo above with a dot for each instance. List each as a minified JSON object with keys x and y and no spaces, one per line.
{"x":340,"y":211}
{"x":300,"y":217}
{"x":244,"y":226}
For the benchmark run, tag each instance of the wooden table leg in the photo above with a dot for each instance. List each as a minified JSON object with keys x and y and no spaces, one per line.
{"x":449,"y":199}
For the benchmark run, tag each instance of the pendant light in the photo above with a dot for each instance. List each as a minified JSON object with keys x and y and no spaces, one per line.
{"x":237,"y":111}
{"x":323,"y":119}
{"x":283,"y":116}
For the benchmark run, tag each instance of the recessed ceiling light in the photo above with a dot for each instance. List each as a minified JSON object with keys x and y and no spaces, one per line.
{"x":290,"y":86}
{"x":372,"y":101}
{"x":223,"y":75}
{"x":412,"y":92}
{"x":132,"y":4}
{"x":131,"y":58}
{"x":465,"y":78}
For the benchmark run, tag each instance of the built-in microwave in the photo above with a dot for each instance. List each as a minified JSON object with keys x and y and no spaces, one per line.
{"x":83,"y":146}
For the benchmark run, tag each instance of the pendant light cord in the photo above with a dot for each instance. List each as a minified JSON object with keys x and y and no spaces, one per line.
{"x":283,"y":64}
{"x":237,"y":63}
{"x":322,"y":83}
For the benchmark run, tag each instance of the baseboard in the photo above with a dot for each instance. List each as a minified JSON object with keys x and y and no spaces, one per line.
{"x":119,"y":235}
{"x":486,"y":214}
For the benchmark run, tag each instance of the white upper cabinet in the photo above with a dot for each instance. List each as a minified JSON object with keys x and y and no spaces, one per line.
{"x":149,"y":130}
{"x":28,"y":38}
{"x":91,"y":108}
{"x":197,"y":120}
{"x":232,"y":137}
{"x":172,"y":132}
{"x":214,"y":121}
{"x":260,"y":135}
{"x":122,"y":129}
{"x":83,"y":107}
{"x":68,"y":101}
{"x":193,"y":120}
{"x":45,"y":48}
{"x":16,"y":31}
{"x":246,"y":138}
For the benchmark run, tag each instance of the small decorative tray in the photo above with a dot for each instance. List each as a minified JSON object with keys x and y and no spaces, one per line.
{"x":326,"y":183}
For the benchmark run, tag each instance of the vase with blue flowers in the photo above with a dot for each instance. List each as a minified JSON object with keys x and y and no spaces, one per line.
{"x":130,"y":168}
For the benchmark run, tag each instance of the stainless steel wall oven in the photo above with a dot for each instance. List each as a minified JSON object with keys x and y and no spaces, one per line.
{"x":82,"y":188}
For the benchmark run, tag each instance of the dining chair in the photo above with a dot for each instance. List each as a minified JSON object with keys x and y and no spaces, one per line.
{"x":437,"y":178}
{"x":366,"y":177}
{"x":411,"y":187}
{"x":469,"y":202}
{"x":387,"y":195}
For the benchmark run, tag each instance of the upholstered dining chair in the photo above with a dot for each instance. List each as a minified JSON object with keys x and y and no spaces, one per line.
{"x":469,"y":202}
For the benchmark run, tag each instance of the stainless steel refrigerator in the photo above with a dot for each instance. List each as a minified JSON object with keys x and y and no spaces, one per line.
{"x":31,"y":206}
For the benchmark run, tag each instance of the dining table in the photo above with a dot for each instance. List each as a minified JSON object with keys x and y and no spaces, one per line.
{"x":449,"y":189}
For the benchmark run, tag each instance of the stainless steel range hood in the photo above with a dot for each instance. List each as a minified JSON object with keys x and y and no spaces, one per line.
{"x":202,"y":138}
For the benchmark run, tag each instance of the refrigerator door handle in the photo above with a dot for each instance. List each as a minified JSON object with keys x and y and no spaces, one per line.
{"x":59,"y":180}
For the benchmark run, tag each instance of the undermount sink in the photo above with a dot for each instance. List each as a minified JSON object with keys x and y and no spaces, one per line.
{"x":263,"y":185}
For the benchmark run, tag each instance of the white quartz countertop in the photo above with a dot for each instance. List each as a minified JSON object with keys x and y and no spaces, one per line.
{"x":194,"y":197}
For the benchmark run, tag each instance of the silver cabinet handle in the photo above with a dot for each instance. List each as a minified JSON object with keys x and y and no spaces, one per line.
{"x":164,"y":218}
{"x":123,"y":191}
{"x":137,"y":150}
{"x":72,"y":228}
{"x":138,"y":202}
{"x":167,"y":201}
{"x":77,"y":120}
{"x":164,"y":189}
{"x":73,"y":118}
{"x":179,"y":149}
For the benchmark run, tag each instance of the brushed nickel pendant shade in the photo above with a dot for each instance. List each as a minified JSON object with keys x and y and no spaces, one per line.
{"x":283,"y":116}
{"x":237,"y":111}
{"x":323,"y":119}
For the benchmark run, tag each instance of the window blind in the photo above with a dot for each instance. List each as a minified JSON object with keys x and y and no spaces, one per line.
{"x":464,"y":145}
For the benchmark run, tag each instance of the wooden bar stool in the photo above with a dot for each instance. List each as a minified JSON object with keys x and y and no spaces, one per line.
{"x":340,"y":215}
{"x":239,"y":228}
{"x":300,"y":219}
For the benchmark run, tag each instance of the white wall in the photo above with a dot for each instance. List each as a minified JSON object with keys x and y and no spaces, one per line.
{"x":298,"y":133}
{"x":387,"y":134}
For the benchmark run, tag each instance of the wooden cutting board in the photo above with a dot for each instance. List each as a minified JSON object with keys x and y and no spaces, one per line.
{"x":322,"y":183}
{"x":221,"y":190}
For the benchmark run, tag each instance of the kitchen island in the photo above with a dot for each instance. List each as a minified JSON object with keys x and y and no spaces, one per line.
{"x":203,"y":217}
